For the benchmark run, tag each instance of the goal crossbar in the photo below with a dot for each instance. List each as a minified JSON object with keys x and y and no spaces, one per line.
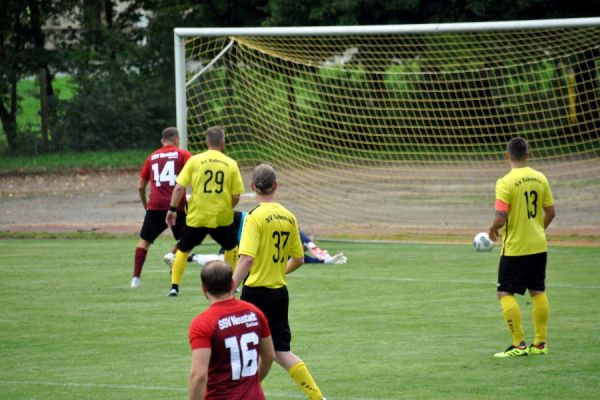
{"x":391,"y":29}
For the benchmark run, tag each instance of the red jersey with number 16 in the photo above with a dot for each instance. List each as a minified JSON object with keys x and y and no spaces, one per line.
{"x":161,"y":169}
{"x":232,"y":329}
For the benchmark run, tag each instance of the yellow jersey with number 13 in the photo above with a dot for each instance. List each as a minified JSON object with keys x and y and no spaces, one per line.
{"x":527,"y":192}
{"x":270,"y":235}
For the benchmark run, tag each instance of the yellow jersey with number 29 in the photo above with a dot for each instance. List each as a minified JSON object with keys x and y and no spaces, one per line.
{"x":527,"y":192}
{"x":270,"y":235}
{"x":214,"y":178}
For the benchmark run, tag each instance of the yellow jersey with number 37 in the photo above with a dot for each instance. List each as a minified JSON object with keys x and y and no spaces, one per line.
{"x":527,"y":192}
{"x":270,"y":235}
{"x":214,"y":178}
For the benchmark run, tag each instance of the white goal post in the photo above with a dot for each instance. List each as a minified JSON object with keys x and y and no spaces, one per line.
{"x":379,"y":130}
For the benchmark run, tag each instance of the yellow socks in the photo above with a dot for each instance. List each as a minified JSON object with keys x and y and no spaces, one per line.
{"x":305,"y":381}
{"x":179,"y":265}
{"x":512,"y":316}
{"x":231,"y":256}
{"x":540,"y":313}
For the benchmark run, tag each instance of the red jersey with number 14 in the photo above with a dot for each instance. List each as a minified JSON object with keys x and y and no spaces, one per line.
{"x":232,"y":329}
{"x":161,"y":169}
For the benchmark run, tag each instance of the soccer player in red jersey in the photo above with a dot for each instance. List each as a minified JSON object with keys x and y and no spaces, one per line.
{"x":160,"y":169}
{"x":232,"y":349}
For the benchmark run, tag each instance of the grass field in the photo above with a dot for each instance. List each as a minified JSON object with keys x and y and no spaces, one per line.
{"x":399,"y":321}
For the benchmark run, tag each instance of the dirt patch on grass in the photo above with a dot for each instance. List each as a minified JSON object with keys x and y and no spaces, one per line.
{"x":107,"y":201}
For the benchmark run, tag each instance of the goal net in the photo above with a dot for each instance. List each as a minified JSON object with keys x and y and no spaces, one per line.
{"x":380,"y":131}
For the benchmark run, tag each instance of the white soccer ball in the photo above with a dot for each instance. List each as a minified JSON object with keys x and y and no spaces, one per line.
{"x":482,"y":242}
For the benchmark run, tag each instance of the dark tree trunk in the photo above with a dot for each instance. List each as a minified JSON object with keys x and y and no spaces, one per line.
{"x":9,"y":115}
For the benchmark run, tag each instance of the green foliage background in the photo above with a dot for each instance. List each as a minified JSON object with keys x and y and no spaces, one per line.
{"x":121,"y":92}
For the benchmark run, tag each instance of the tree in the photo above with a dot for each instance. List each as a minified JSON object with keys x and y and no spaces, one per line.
{"x":114,"y":70}
{"x":125,"y":73}
{"x":107,"y":111}
{"x":372,"y":12}
{"x":23,"y":53}
{"x":15,"y":41}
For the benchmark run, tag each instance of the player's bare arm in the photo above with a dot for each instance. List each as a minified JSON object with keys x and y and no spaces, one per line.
{"x":549,"y":214}
{"x":175,"y":199}
{"x":293,"y":264}
{"x":242,"y":268}
{"x":142,"y":192}
{"x":198,"y":374}
{"x":235,"y":199}
{"x":266,"y":357}
{"x":497,"y":223}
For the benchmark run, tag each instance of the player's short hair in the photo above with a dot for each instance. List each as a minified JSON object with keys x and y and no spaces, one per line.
{"x":216,"y":277}
{"x":264,"y":178}
{"x":517,"y":149}
{"x":170,"y":134}
{"x":215,"y":136}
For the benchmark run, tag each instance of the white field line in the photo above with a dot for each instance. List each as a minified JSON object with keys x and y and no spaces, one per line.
{"x":416,"y":280}
{"x":154,"y":388}
{"x":454,"y":281}
{"x":387,"y":279}
{"x":94,"y":386}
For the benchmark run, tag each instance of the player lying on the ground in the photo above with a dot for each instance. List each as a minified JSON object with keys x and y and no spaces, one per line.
{"x":312,"y":255}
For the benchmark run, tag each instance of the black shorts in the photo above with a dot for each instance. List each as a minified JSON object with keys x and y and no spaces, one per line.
{"x":274,"y":303}
{"x":518,"y":273}
{"x":225,"y":236}
{"x":154,"y":224}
